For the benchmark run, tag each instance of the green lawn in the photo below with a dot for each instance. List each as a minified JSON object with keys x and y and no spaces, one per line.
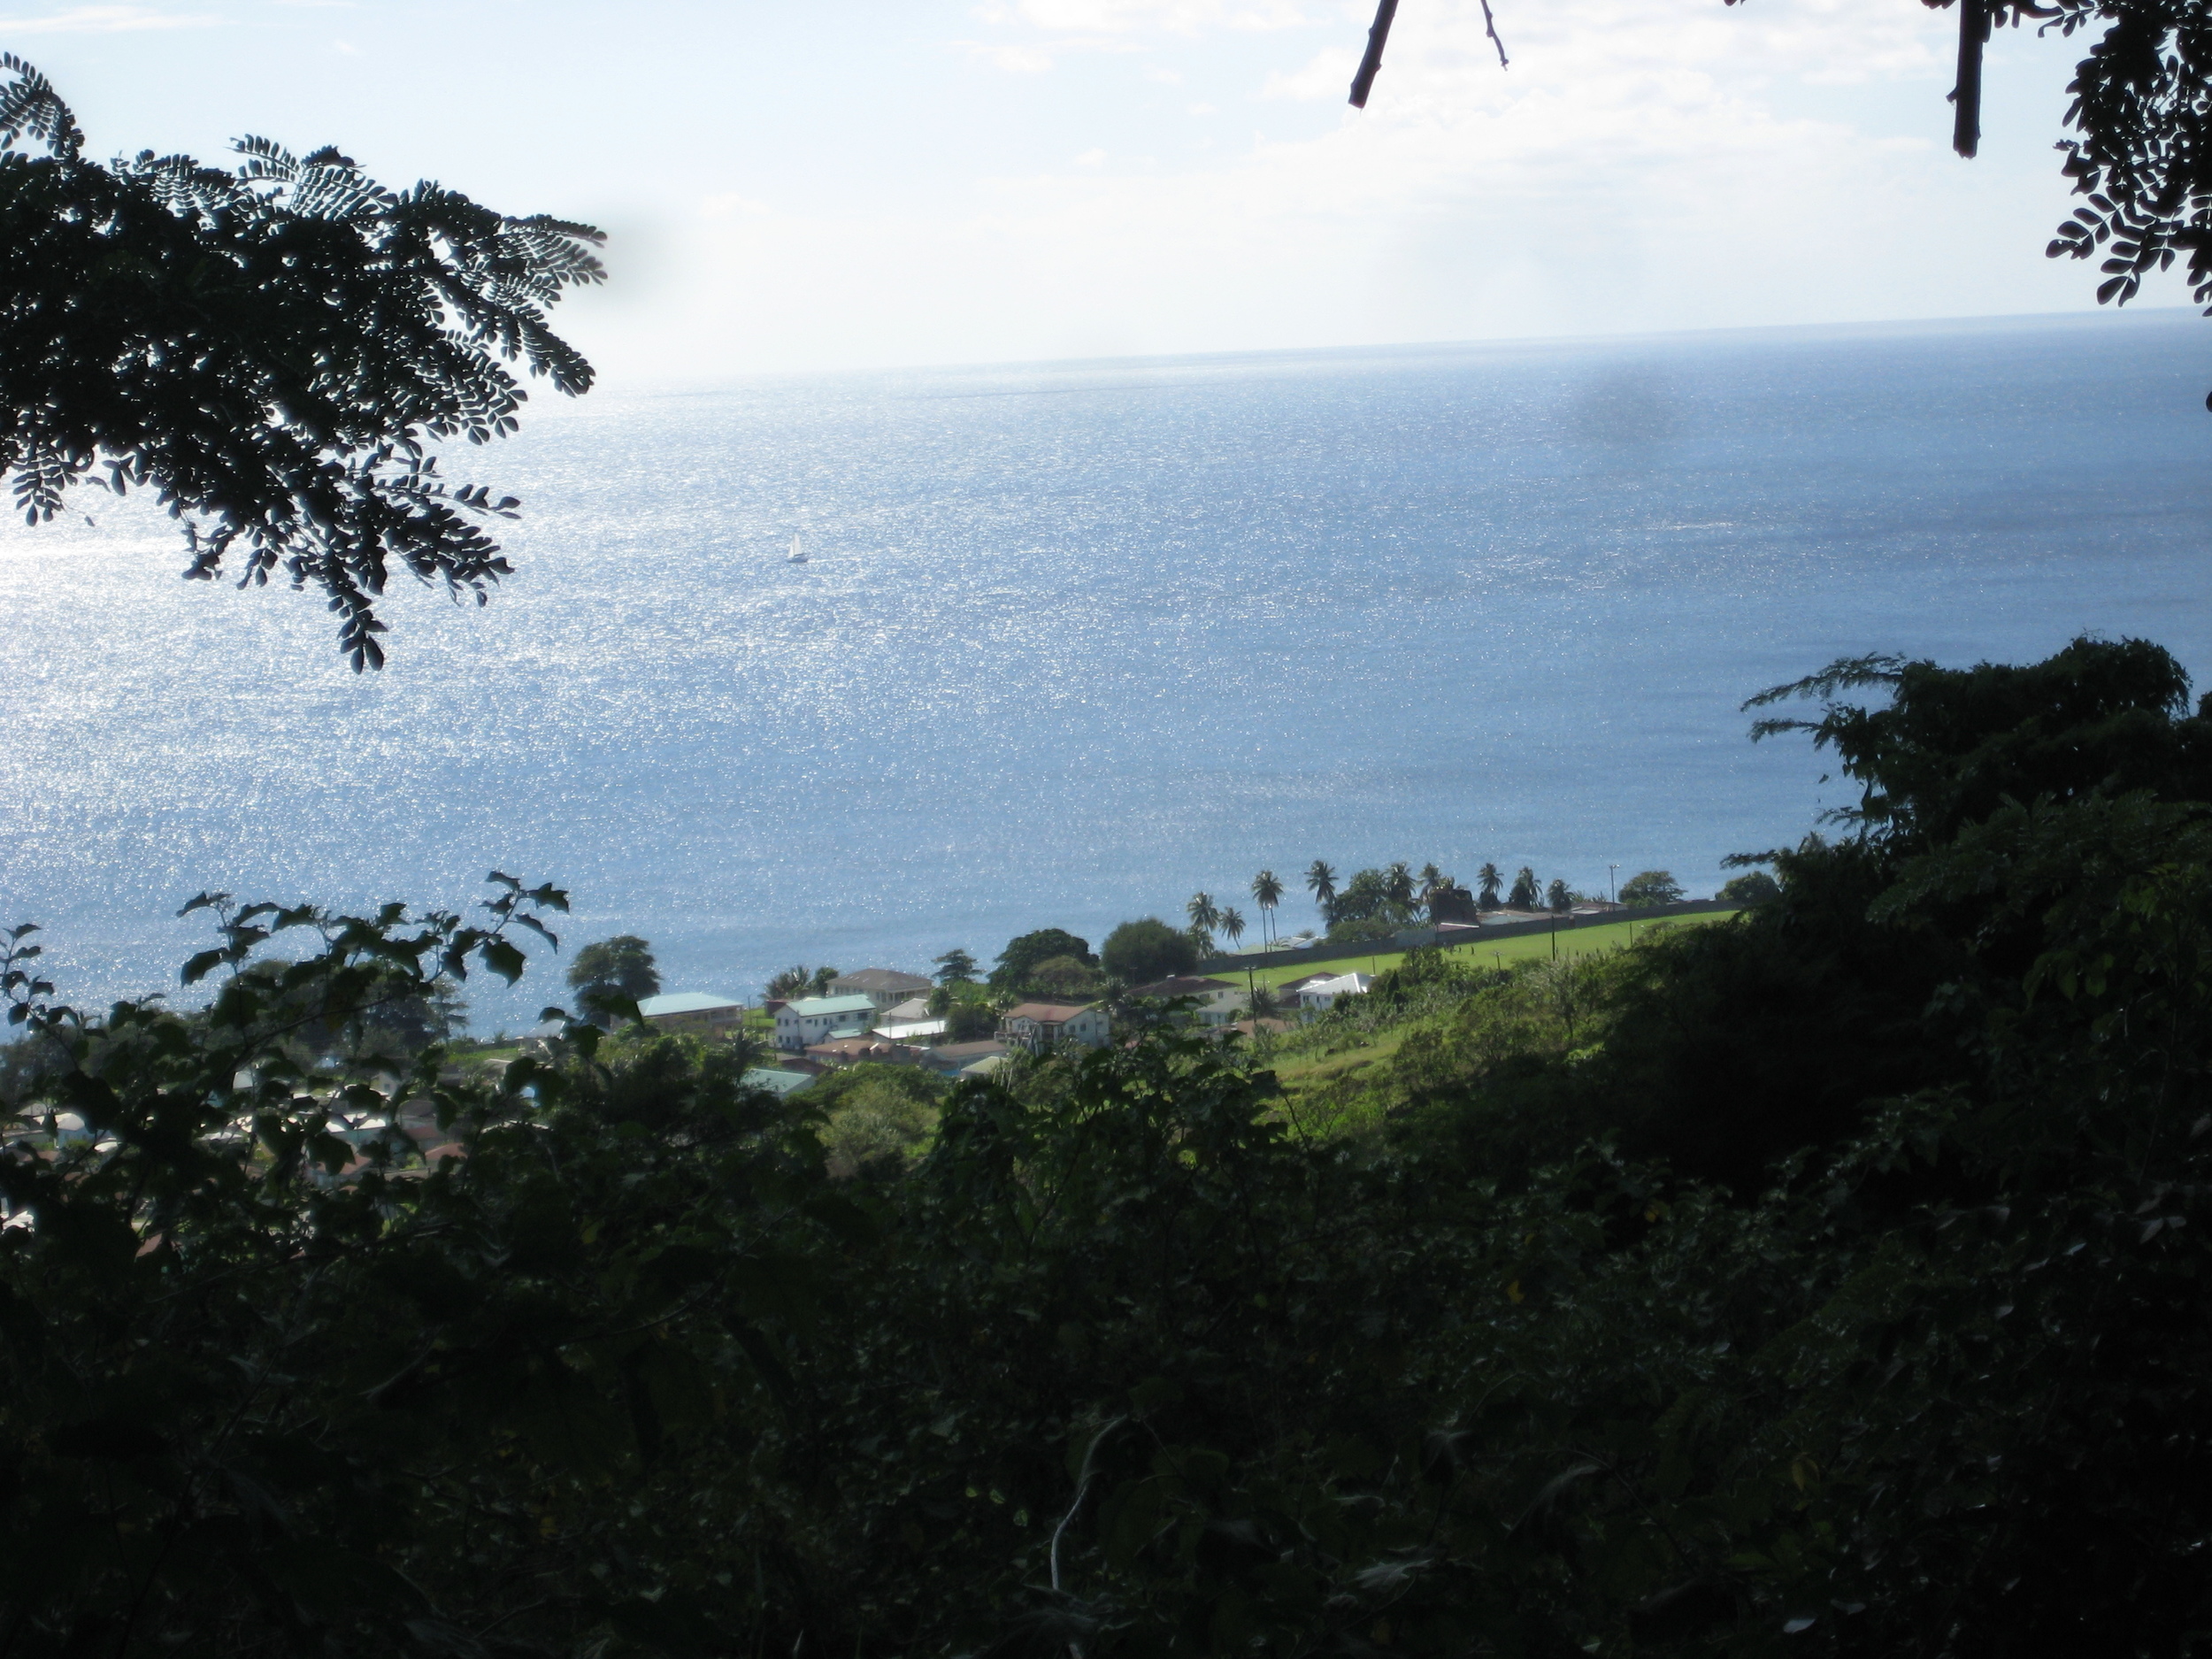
{"x":1521,"y":948}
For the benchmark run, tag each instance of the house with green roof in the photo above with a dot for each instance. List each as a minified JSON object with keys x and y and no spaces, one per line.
{"x":811,"y":1019}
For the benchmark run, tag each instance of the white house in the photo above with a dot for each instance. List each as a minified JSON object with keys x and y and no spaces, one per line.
{"x":920,"y":1031}
{"x":1214,"y":1002}
{"x":812,"y":1019}
{"x":1041,"y":1026}
{"x":886,"y":988}
{"x":1321,"y":995}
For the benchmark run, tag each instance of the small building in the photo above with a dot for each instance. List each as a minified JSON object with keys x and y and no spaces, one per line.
{"x":1320,"y":995}
{"x":1038,"y":1026}
{"x":1254,"y":1027}
{"x":955,"y":1059}
{"x":913,"y":1029}
{"x":884,"y":987}
{"x":808,"y":1020}
{"x":782,"y":1085}
{"x":1214,"y":1002}
{"x":866,"y":1050}
{"x":914,"y":1008}
{"x":693,"y":1013}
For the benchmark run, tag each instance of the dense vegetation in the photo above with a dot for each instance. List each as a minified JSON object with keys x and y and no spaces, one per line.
{"x":1820,"y":1281}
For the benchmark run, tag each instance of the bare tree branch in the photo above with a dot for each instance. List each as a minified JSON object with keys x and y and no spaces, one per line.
{"x":1378,"y":37}
{"x":1966,"y":121}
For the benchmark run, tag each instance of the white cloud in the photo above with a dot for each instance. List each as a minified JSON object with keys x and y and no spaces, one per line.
{"x":1015,"y":60}
{"x":1642,"y":165}
{"x":113,"y":19}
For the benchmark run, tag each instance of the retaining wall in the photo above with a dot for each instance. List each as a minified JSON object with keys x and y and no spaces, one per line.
{"x":1320,"y":954}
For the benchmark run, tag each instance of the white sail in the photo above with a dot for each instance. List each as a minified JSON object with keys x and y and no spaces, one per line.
{"x":797,"y":556}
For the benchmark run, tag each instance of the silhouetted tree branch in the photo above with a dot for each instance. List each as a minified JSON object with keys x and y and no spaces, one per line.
{"x":274,"y":352}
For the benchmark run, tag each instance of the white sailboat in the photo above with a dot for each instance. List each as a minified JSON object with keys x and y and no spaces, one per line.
{"x":798,"y":553}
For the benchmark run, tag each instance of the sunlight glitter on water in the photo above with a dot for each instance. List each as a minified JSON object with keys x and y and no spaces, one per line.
{"x":1072,"y":641}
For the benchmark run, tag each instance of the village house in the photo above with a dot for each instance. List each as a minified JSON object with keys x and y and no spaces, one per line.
{"x":806,"y":1020}
{"x":913,"y":1029}
{"x":1038,"y":1026}
{"x":960,"y":1059}
{"x":781,"y":1084}
{"x":1319,"y":995}
{"x":1214,"y":1002}
{"x":869,"y":1050}
{"x":884,"y":987}
{"x":693,"y":1013}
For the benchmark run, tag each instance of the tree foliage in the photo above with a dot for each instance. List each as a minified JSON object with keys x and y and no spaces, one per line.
{"x":1649,"y":888}
{"x":609,"y":972}
{"x":1754,"y":886}
{"x":275,"y":352}
{"x":1139,"y":952}
{"x":1017,"y":964}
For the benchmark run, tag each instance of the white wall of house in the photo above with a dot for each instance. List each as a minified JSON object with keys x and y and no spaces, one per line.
{"x":818,"y":1019}
{"x":1322,"y":996}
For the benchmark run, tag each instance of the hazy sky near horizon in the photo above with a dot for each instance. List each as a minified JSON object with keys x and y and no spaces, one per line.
{"x":857,"y":183}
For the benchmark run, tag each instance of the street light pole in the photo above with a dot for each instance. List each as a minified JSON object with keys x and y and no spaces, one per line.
{"x":1612,"y":892}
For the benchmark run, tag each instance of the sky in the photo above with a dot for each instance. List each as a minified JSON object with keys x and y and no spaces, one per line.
{"x":854,"y":183}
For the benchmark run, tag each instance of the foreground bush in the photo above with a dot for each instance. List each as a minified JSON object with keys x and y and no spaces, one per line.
{"x":1127,"y":1364}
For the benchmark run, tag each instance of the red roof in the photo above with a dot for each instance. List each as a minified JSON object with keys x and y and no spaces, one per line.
{"x":854,"y":1049}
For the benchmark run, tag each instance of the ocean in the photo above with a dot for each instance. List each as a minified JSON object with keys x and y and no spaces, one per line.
{"x":1075,"y":640}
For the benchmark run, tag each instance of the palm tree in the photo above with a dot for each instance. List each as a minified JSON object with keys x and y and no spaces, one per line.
{"x":1492,"y":881}
{"x":1203,"y":912}
{"x":1231,"y":924}
{"x":1526,"y":896}
{"x":1267,"y":893}
{"x":1397,"y":884}
{"x":1561,"y":895}
{"x":1432,"y":878}
{"x":1321,"y":882}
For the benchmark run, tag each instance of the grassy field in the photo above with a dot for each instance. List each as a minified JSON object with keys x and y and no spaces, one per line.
{"x":1572,"y":942}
